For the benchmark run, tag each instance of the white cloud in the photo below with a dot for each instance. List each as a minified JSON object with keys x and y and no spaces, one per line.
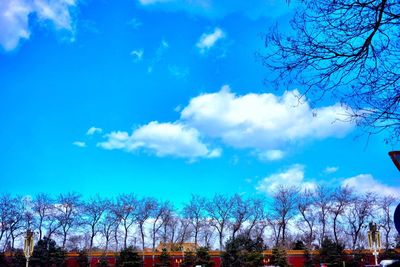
{"x":263,"y":121}
{"x":364,"y":183}
{"x":137,"y":54}
{"x":14,"y":18}
{"x":79,"y":144}
{"x":164,"y":139}
{"x":331,"y":169}
{"x":293,"y":176}
{"x":271,"y":155}
{"x":92,"y":130}
{"x":220,"y":8}
{"x":56,"y":11}
{"x":208,"y":40}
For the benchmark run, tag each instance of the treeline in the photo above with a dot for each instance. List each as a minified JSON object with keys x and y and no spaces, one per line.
{"x":286,"y":216}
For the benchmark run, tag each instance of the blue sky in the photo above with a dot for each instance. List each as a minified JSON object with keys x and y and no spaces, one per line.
{"x":164,"y":98}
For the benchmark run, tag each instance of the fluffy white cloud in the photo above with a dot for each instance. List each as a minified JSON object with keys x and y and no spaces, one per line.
{"x":220,"y":8}
{"x":92,"y":130}
{"x":331,"y":169}
{"x":79,"y":144}
{"x":293,"y":176}
{"x":164,"y":139}
{"x":208,"y":40}
{"x":263,"y":121}
{"x":14,"y":18}
{"x":364,"y":183}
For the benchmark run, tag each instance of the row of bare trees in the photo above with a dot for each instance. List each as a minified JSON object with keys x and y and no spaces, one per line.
{"x":289,"y":214}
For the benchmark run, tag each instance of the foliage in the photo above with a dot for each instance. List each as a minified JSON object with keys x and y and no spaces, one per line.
{"x":331,"y":253}
{"x":103,"y":262}
{"x":82,"y":259}
{"x":242,"y":251}
{"x":279,"y":257}
{"x":390,"y":254}
{"x":397,"y":240}
{"x":18,"y":259}
{"x":129,"y":257}
{"x":346,"y":49}
{"x":308,"y":260}
{"x":165,"y":259}
{"x":3,"y":261}
{"x":189,"y":259}
{"x":46,"y":253}
{"x":203,"y":257}
{"x":298,"y":245}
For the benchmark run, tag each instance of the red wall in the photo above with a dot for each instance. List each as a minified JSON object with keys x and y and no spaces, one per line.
{"x":295,"y":258}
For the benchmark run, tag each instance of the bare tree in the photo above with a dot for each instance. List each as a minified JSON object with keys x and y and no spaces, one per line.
{"x":68,"y":212}
{"x":116,"y":215}
{"x":218,"y":209}
{"x":42,"y":206}
{"x":342,"y":197}
{"x":322,"y":201}
{"x":358,"y":214}
{"x":146,"y":207}
{"x":283,"y":209}
{"x":257,"y":220}
{"x":183,"y":231}
{"x":168,"y":224}
{"x":305,"y":206}
{"x":107,"y":224}
{"x":157,"y":224}
{"x":207,"y":234}
{"x":348,"y":49}
{"x":93,"y":211}
{"x":239,"y":214}
{"x":52,"y":222}
{"x":5,"y":211}
{"x":385,"y":206}
{"x":195,"y":212}
{"x":13,"y":212}
{"x":125,"y":210}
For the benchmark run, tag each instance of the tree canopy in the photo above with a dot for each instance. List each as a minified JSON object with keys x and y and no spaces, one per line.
{"x":348,"y":49}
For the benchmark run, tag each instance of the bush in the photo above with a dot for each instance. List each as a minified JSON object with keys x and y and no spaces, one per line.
{"x":102,"y":262}
{"x":242,"y":251}
{"x":203,"y":257}
{"x":83,"y":260}
{"x":165,"y":259}
{"x":189,"y":259}
{"x":279,"y":257}
{"x":46,"y":253}
{"x":129,"y":258}
{"x":331,"y":253}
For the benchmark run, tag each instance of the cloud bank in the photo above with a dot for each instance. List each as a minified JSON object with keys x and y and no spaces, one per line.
{"x":264,"y":123}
